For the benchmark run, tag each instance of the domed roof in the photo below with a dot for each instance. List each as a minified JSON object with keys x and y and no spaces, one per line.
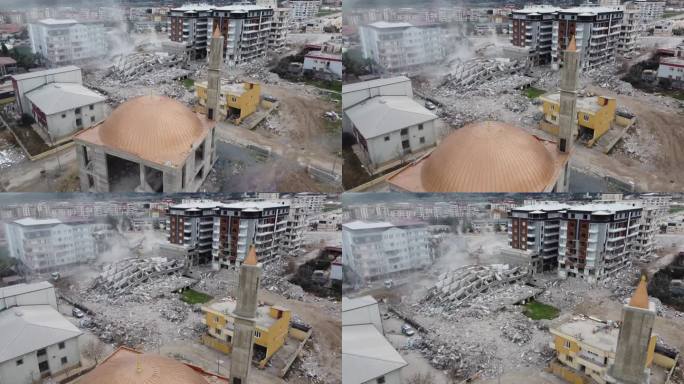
{"x":133,"y":368}
{"x":155,"y":128}
{"x":488,"y":157}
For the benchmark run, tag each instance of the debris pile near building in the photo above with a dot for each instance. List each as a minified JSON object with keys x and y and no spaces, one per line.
{"x":457,"y":287}
{"x":139,"y":65}
{"x":471,"y":74}
{"x":121,"y":277}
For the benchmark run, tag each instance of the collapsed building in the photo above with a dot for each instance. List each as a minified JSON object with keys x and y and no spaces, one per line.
{"x":148,"y":144}
{"x":220,"y":233}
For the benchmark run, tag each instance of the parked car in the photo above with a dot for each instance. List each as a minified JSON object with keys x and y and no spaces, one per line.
{"x":270,"y":98}
{"x":389,"y":283}
{"x":429,"y":105}
{"x":77,"y":313}
{"x":407,"y":330}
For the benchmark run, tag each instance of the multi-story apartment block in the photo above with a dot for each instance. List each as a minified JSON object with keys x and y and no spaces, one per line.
{"x":219,"y":233}
{"x":596,"y":30}
{"x":649,"y":11}
{"x":402,"y":47}
{"x":312,"y":202}
{"x":532,"y":32}
{"x":44,"y":245}
{"x":294,"y":233}
{"x":597,"y":240}
{"x":376,"y":249}
{"x":62,"y":42}
{"x":629,"y":34}
{"x":304,"y":9}
{"x":248,"y":30}
{"x":649,"y":226}
{"x":533,"y":232}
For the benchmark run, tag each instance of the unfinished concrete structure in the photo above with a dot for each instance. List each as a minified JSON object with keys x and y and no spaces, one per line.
{"x":597,"y":240}
{"x":214,"y":75}
{"x":148,"y":144}
{"x":245,"y":319}
{"x":634,"y":340}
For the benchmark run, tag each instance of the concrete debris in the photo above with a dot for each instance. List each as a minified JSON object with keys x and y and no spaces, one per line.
{"x":472,"y":75}
{"x":459,"y":286}
{"x":137,"y":65}
{"x":122,"y":276}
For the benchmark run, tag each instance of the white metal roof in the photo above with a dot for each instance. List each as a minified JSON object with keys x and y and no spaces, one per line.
{"x":366,"y":354}
{"x":604,"y":208}
{"x":28,"y":328}
{"x":387,"y":24}
{"x":384,"y":114}
{"x":367,"y":225}
{"x":357,"y":302}
{"x":54,"y":71}
{"x":59,"y":97}
{"x":18,"y":289}
{"x":551,"y":206}
{"x":58,"y":21}
{"x":373,"y":83}
{"x":29,"y":221}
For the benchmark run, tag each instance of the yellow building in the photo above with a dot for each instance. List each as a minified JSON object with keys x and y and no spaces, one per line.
{"x":595,"y":115}
{"x":237,"y":101}
{"x":271,"y":329}
{"x":585,"y":350}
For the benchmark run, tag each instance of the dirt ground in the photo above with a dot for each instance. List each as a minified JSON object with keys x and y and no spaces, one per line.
{"x":666,"y":126}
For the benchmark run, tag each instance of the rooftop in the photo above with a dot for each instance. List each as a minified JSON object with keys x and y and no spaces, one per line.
{"x":31,"y":75}
{"x":357,"y":302}
{"x":7,"y":61}
{"x":366,"y":354}
{"x":387,"y":24}
{"x":59,"y":97}
{"x":324,"y":55}
{"x":19,"y":289}
{"x":58,"y":21}
{"x":360,"y":225}
{"x":154,"y":128}
{"x":589,"y":10}
{"x":374,"y":83}
{"x":384,"y":114}
{"x":584,"y":104}
{"x":551,"y":206}
{"x":32,"y":327}
{"x":604,"y":208}
{"x":28,"y":222}
{"x":227,"y":307}
{"x":590,"y":332}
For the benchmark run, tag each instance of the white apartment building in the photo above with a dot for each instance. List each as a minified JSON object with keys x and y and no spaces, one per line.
{"x":399,"y":47}
{"x":26,"y":82}
{"x":597,"y":240}
{"x":672,"y":68}
{"x":629,"y":35}
{"x":596,"y":30}
{"x":649,"y":11}
{"x":43,"y":342}
{"x":44,"y":245}
{"x":279,"y":28}
{"x":323,"y":63}
{"x":62,"y":42}
{"x":311,"y":201}
{"x":377,"y":249}
{"x":297,"y":222}
{"x":304,"y":9}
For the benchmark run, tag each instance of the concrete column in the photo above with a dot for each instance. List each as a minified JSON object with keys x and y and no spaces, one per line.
{"x":568,"y":98}
{"x":214,"y":75}
{"x":633,"y":342}
{"x":245,"y":314}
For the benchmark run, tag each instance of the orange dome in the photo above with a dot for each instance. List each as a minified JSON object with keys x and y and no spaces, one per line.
{"x":131,"y":368}
{"x":488,"y":157}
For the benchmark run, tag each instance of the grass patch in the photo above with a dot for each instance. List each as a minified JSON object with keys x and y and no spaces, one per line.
{"x":333,"y":126}
{"x":533,"y":92}
{"x":676,"y":209}
{"x":537,"y":311}
{"x":670,"y":14}
{"x":326,"y":13}
{"x":188,"y":83}
{"x":331,"y":85}
{"x":191,"y":296}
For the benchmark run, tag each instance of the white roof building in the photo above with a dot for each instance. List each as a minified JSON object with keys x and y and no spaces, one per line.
{"x":60,"y":97}
{"x":385,"y":114}
{"x":367,"y":355}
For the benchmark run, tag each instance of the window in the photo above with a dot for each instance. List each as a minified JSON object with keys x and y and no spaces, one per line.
{"x":77,"y":110}
{"x":422,"y":140}
{"x":566,"y":343}
{"x":92,"y":119}
{"x":63,"y":115}
{"x":218,"y":331}
{"x":92,"y":107}
{"x":386,"y":138}
{"x":20,"y":362}
{"x":257,"y":334}
{"x":79,"y":122}
{"x":381,"y":380}
{"x":420,"y":127}
{"x":586,"y":117}
{"x":64,"y":360}
{"x":61,"y":345}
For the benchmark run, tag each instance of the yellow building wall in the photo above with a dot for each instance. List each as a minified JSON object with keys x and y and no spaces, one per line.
{"x":600,"y":121}
{"x":651,"y":350}
{"x":566,"y":373}
{"x":247,"y":103}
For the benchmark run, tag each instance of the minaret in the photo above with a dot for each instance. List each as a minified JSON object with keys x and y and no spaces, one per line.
{"x":568,"y":98}
{"x":245,"y":314}
{"x":214,"y":75}
{"x":634,"y":339}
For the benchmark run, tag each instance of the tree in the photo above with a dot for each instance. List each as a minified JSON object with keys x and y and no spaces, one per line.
{"x":421,"y":378}
{"x":5,"y":51}
{"x":94,"y":349}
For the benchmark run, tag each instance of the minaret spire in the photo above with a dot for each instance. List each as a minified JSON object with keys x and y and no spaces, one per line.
{"x":214,"y":75}
{"x":568,"y":97}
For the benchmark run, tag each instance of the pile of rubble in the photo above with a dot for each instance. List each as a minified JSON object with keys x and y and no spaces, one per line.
{"x":460,"y":360}
{"x":159,"y":65}
{"x":121,"y":277}
{"x":479,"y":75}
{"x":458,"y":287}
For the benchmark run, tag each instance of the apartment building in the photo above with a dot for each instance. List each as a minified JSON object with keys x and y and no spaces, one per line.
{"x":629,"y":34}
{"x":597,"y":240}
{"x":376,"y":249}
{"x":44,"y":245}
{"x":311,"y":201}
{"x":249,"y":31}
{"x":297,"y":222}
{"x":533,"y":234}
{"x":220,"y":233}
{"x":649,"y":11}
{"x":304,"y":9}
{"x":398,"y":47}
{"x":67,"y":41}
{"x":532,"y":32}
{"x":596,"y":30}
